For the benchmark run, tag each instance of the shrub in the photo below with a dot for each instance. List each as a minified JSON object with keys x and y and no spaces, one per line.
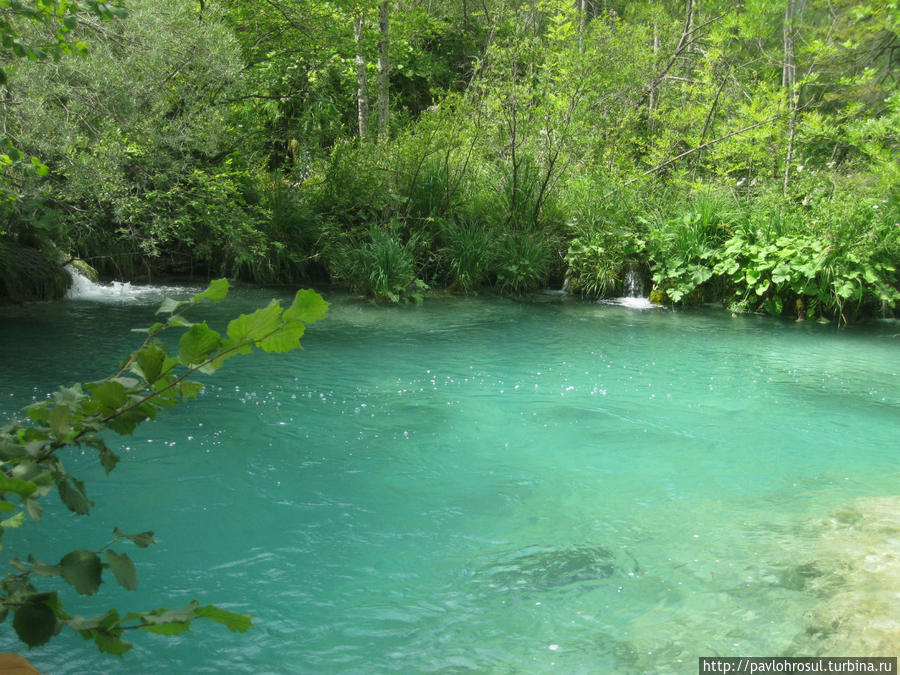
{"x":522,"y":261}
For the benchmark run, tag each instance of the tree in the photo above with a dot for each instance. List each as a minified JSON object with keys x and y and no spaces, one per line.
{"x":384,"y":70}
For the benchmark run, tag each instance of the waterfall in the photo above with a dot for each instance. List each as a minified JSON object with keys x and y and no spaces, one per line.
{"x":633,"y":289}
{"x":633,"y":285}
{"x":83,"y":288}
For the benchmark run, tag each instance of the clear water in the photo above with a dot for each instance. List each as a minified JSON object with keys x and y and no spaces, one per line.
{"x":488,"y":485}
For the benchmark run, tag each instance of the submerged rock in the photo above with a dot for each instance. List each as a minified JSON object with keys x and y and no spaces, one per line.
{"x":538,"y":568}
{"x":857,"y":580}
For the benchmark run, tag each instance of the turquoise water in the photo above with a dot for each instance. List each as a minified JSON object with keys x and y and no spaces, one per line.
{"x":486,"y":485}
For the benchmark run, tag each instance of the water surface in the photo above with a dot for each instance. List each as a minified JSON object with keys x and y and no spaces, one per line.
{"x":488,"y":485}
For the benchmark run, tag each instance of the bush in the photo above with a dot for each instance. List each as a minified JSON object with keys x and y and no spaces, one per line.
{"x":468,"y":253}
{"x":378,"y":265}
{"x":522,"y":261}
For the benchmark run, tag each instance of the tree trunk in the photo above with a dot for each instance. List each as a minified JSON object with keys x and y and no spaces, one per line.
{"x":651,"y":105}
{"x":789,"y":81}
{"x":362,"y":99}
{"x":384,"y":71}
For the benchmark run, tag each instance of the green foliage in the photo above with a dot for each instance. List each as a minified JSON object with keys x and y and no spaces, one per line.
{"x":613,"y":136}
{"x":379,"y":265}
{"x":681,"y":247}
{"x":605,"y":234}
{"x":148,"y":381}
{"x":523,"y":261}
{"x":468,"y":253}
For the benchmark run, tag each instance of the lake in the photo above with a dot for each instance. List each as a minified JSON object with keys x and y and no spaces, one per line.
{"x":489,"y":485}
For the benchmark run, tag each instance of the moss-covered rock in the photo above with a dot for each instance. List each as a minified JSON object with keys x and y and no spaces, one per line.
{"x":84,"y":269}
{"x":28,"y":274}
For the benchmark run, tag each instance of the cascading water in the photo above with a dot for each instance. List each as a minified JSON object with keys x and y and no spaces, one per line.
{"x":633,"y":285}
{"x":633,"y":288}
{"x":83,"y":288}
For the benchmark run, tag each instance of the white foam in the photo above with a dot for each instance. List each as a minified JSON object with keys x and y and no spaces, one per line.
{"x":83,"y":288}
{"x":632,"y":303}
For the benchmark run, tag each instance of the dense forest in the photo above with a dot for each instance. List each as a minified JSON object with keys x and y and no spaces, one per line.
{"x":742,"y":152}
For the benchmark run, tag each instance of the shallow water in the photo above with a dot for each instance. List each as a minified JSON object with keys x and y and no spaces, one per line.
{"x":487,"y":485}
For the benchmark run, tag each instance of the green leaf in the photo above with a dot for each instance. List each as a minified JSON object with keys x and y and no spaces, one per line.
{"x":142,"y":539}
{"x":6,"y":507}
{"x":23,"y":488}
{"x":34,"y":509}
{"x":774,"y":306}
{"x":148,"y":363}
{"x":108,"y":459}
{"x":229,"y":350}
{"x":161,"y":616}
{"x":15,"y":521}
{"x":109,"y":395}
{"x":190,"y":389}
{"x":39,"y":167}
{"x":110,"y":644}
{"x":169,"y":306}
{"x":197,"y":344}
{"x":59,"y":420}
{"x":170,"y":628}
{"x":217,"y":290}
{"x":123,"y":569}
{"x":237,"y":623}
{"x":103,"y":621}
{"x":284,"y":340}
{"x":82,"y":570}
{"x":35,"y":622}
{"x":257,"y":325}
{"x":308,"y":307}
{"x":74,"y":497}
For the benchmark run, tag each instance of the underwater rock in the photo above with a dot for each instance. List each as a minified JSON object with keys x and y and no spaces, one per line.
{"x":858,"y":581}
{"x":799,"y":577}
{"x":538,"y":568}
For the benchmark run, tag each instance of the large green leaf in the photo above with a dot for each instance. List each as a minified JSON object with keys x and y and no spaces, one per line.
{"x":82,"y":570}
{"x":35,"y":622}
{"x":108,"y":394}
{"x":148,"y":363}
{"x":123,"y":569}
{"x":308,"y":307}
{"x":257,"y":325}
{"x":284,"y":340}
{"x":197,"y":344}
{"x":217,"y":290}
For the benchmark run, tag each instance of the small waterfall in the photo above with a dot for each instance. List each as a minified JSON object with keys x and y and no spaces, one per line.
{"x":633,"y":285}
{"x":83,"y":288}
{"x":633,"y":289}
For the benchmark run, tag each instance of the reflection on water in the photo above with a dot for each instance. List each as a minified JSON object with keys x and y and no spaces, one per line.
{"x":493,"y":485}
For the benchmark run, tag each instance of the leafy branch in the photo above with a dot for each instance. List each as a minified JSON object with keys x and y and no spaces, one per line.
{"x":147,"y":381}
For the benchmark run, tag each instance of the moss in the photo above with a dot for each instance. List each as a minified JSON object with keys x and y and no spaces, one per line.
{"x":84,"y":269}
{"x":658,"y":296}
{"x":28,"y":274}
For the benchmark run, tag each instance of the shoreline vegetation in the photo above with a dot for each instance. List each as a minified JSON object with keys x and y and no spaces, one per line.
{"x":736,"y":154}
